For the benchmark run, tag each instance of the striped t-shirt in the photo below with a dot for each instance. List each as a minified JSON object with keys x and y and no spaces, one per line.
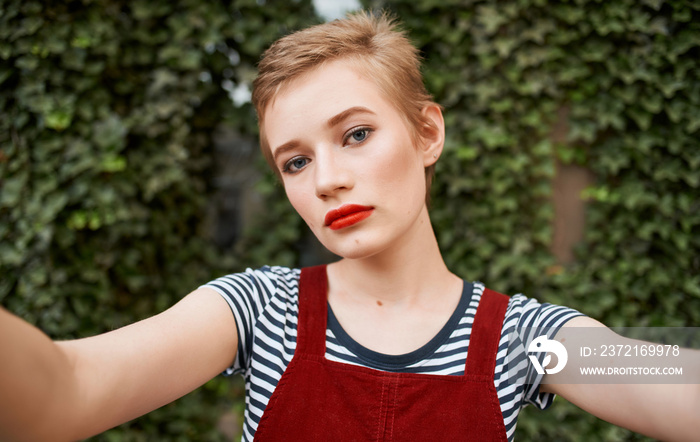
{"x":265,"y":304}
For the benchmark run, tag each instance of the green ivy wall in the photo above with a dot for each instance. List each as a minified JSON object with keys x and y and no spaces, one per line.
{"x":107,"y":113}
{"x":108,"y":109}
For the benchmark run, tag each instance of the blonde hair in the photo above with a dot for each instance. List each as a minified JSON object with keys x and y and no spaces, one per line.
{"x":376,"y":47}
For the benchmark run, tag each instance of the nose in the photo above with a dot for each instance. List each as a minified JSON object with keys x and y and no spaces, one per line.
{"x":331,"y":174}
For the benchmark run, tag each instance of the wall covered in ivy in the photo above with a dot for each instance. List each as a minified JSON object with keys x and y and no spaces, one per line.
{"x":109,"y":110}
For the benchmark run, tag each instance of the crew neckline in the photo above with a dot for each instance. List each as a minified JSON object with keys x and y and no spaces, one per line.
{"x":383,"y":361}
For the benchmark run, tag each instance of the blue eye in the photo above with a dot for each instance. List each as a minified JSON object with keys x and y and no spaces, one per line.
{"x":357,"y":135}
{"x":295,"y":164}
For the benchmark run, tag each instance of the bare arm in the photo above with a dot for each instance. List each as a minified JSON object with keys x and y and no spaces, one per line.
{"x":663,"y":411}
{"x":74,"y":389}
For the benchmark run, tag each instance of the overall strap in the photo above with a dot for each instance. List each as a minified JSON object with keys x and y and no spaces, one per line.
{"x":486,"y":334}
{"x":313,"y":301}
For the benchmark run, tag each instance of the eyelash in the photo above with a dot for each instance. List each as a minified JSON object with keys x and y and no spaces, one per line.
{"x":353,"y":131}
{"x":289,"y":163}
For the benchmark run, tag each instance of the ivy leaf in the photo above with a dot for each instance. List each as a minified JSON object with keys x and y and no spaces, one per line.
{"x":58,"y":120}
{"x":491,"y":17}
{"x":110,"y":133}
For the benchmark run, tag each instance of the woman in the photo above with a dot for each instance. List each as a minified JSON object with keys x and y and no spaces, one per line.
{"x":386,"y":343}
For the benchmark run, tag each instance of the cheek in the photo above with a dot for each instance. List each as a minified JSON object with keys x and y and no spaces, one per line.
{"x":403,"y":171}
{"x":303,"y":204}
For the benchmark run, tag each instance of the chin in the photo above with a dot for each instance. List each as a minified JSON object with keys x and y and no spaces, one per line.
{"x":357,"y":253}
{"x":354,"y":246}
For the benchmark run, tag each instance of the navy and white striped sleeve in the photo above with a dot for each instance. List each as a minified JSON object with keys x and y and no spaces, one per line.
{"x":247,"y":294}
{"x":529,"y":320}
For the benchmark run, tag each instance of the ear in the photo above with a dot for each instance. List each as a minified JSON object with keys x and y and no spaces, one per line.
{"x":432,"y":134}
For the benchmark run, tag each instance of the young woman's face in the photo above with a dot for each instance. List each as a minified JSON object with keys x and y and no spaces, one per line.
{"x":347,"y":161}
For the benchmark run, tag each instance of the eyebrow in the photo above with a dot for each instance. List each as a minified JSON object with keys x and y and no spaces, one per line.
{"x":283,"y":148}
{"x":333,"y":121}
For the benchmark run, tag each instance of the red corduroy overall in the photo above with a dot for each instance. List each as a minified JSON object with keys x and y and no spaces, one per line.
{"x":321,"y":400}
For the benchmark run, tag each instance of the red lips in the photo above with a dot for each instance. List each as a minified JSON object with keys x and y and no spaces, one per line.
{"x":347,"y":215}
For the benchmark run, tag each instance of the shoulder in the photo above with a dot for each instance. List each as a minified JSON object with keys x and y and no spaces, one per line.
{"x":524,"y":311}
{"x":263,"y":281}
{"x":529,"y":312}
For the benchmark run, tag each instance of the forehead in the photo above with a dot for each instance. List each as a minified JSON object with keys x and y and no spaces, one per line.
{"x":312,"y":99}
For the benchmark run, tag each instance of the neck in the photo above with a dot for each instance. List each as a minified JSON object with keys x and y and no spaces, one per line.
{"x":412,"y":270}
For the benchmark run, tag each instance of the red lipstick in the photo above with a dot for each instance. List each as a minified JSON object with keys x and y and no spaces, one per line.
{"x":347,"y":215}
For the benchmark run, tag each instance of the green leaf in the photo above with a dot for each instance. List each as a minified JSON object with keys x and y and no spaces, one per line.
{"x":58,"y":120}
{"x":110,"y":133}
{"x":113,"y":163}
{"x":27,"y":62}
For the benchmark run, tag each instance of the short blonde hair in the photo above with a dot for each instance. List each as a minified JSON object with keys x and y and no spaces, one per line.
{"x":373,"y":43}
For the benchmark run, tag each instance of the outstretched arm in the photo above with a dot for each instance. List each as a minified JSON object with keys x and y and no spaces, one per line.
{"x":74,"y":389}
{"x":663,"y":411}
